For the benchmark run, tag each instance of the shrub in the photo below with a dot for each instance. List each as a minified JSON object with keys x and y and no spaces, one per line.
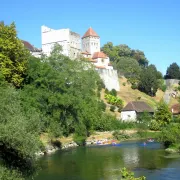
{"x":124,"y":84}
{"x":106,"y":91}
{"x":154,"y":125}
{"x":163,"y":87}
{"x":120,"y":135}
{"x":170,"y":135}
{"x":113,"y":100}
{"x":113,"y":92}
{"x":79,"y":139}
{"x":102,"y":105}
{"x":134,"y":86}
{"x":112,"y":108}
{"x":120,"y":109}
{"x":126,"y":174}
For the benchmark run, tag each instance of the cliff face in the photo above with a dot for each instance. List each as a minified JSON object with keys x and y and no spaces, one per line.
{"x":110,"y":78}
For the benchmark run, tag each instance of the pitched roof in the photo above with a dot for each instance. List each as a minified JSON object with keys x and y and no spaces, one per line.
{"x":90,"y":32}
{"x":30,"y":47}
{"x":138,"y":106}
{"x":87,"y":53}
{"x":175,"y":109}
{"x":99,"y":55}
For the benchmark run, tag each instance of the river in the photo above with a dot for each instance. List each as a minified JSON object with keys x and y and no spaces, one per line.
{"x":104,"y":162}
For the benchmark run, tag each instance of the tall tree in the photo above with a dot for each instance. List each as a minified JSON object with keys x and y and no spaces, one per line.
{"x":148,"y":81}
{"x":163,"y":114}
{"x":19,"y":139}
{"x":173,"y":71}
{"x":13,"y":55}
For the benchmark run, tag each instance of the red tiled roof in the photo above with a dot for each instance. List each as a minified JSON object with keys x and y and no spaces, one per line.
{"x":175,"y":109}
{"x":90,"y":32}
{"x":99,"y":55}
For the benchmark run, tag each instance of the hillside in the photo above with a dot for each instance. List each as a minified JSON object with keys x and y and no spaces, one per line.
{"x":128,"y":94}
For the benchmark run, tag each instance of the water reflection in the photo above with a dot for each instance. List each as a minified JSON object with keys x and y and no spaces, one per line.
{"x":104,"y":162}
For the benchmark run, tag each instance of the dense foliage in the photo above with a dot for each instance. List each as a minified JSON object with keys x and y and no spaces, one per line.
{"x":128,"y":175}
{"x":13,"y":55}
{"x":173,"y":71}
{"x":134,"y":66}
{"x":19,"y":139}
{"x":163,"y":115}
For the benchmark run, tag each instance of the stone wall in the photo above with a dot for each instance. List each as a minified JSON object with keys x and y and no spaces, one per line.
{"x":171,"y":82}
{"x":110,"y":78}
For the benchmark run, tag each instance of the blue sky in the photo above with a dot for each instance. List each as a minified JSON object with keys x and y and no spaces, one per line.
{"x":152,"y":26}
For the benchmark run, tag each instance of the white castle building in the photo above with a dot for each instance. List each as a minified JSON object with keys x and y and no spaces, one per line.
{"x":73,"y":47}
{"x":70,"y":41}
{"x":88,"y":46}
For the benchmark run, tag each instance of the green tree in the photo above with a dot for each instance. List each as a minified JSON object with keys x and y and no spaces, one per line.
{"x":148,"y":82}
{"x":64,"y":92}
{"x":19,"y":139}
{"x":13,"y":55}
{"x":163,"y":114}
{"x":173,"y":72}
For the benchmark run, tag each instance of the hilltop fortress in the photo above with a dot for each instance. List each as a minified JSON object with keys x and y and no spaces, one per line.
{"x":88,"y":46}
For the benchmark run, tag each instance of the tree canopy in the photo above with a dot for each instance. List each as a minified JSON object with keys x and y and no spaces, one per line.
{"x":13,"y":55}
{"x":173,"y":71}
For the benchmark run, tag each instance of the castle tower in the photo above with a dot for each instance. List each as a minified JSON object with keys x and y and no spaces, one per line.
{"x":91,"y":42}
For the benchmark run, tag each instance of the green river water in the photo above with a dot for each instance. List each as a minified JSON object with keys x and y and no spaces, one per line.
{"x":104,"y":162}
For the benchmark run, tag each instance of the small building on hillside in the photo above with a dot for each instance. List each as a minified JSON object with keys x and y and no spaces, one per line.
{"x":175,"y":109}
{"x":33,"y":50}
{"x":131,"y":111}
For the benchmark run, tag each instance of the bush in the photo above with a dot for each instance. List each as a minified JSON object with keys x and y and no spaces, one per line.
{"x":113,"y":92}
{"x":154,"y":125}
{"x":120,"y":109}
{"x":124,"y":84}
{"x":134,"y":86}
{"x":113,"y":100}
{"x":126,"y":174}
{"x":102,"y":105}
{"x":120,"y":135}
{"x":112,"y":108}
{"x":163,"y":88}
{"x":170,"y":135}
{"x":106,"y":91}
{"x":79,"y":139}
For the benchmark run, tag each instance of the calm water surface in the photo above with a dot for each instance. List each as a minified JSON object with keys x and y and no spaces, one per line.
{"x":104,"y":163}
